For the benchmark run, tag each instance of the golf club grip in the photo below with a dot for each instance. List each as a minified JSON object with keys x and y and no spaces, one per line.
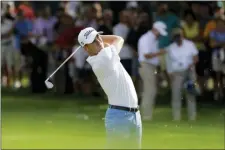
{"x":71,"y":55}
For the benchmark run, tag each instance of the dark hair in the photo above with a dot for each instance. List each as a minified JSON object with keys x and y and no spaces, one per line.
{"x":189,"y":12}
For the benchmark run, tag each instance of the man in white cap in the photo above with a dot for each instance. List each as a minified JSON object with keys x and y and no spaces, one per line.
{"x":122,"y":120}
{"x":147,"y":46}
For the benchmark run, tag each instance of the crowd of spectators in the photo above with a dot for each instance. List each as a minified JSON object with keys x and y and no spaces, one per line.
{"x":36,"y":41}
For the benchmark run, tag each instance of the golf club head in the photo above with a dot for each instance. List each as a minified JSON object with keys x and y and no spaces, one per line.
{"x":48,"y":84}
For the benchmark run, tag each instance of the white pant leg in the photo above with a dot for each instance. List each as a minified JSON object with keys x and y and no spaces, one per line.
{"x":176,"y":86}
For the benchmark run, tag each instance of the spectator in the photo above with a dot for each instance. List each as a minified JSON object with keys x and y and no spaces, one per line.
{"x":48,"y":31}
{"x":23,"y":28}
{"x":38,"y":33}
{"x":140,"y":25}
{"x":172,"y":22}
{"x":192,"y":32}
{"x":106,"y":26}
{"x":10,"y":56}
{"x":38,"y":61}
{"x":148,"y":44}
{"x":72,"y":8}
{"x":182,"y":56}
{"x":9,"y":15}
{"x":98,"y":9}
{"x":211,"y":25}
{"x":117,"y":7}
{"x":27,"y":10}
{"x":122,"y":29}
{"x":58,"y":27}
{"x":204,"y":15}
{"x":217,"y":43}
{"x":65,"y":42}
{"x":50,"y":21}
{"x":89,"y":18}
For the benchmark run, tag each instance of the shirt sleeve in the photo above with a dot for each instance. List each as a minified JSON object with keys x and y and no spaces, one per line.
{"x":193,"y":49}
{"x":115,"y":30}
{"x":168,"y":61}
{"x":143,"y":46}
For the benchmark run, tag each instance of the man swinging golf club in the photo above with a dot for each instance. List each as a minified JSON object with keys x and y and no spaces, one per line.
{"x":122,"y":120}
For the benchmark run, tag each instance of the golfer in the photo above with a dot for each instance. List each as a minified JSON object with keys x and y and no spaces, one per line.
{"x":122,"y":121}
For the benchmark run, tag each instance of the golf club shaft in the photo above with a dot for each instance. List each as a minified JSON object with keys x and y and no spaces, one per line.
{"x":71,"y":55}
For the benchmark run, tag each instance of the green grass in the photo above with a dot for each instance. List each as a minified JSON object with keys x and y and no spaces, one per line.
{"x":36,"y":122}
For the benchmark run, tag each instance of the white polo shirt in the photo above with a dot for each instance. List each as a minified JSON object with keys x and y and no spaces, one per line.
{"x":179,"y":58}
{"x":123,"y":30}
{"x":148,"y":44}
{"x":113,"y":78}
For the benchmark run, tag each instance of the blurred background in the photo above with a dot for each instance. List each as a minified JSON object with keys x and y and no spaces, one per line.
{"x":37,"y":36}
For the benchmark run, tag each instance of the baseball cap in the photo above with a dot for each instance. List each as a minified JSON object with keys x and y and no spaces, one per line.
{"x":87,"y":36}
{"x":160,"y":27}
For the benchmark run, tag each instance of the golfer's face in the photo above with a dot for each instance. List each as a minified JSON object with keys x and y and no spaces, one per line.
{"x":96,"y":46}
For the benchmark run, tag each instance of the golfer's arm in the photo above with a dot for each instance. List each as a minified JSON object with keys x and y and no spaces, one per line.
{"x":114,"y":40}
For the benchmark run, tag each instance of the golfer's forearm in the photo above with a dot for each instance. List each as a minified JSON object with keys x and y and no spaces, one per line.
{"x":117,"y":41}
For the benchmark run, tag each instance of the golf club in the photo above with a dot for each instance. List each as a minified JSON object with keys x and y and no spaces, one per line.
{"x":48,"y":84}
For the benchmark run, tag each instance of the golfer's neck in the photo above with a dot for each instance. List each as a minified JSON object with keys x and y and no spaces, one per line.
{"x":93,"y":53}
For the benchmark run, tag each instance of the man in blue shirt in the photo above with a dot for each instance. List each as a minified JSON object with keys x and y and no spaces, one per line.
{"x":23,"y":27}
{"x":217,"y":43}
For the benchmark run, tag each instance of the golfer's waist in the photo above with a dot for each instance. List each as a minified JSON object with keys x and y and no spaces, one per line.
{"x":130,"y":109}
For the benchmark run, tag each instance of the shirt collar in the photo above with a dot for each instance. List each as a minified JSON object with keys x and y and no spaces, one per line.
{"x":91,"y":59}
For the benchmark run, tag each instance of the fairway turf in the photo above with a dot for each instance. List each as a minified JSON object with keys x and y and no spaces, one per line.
{"x":48,"y":122}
